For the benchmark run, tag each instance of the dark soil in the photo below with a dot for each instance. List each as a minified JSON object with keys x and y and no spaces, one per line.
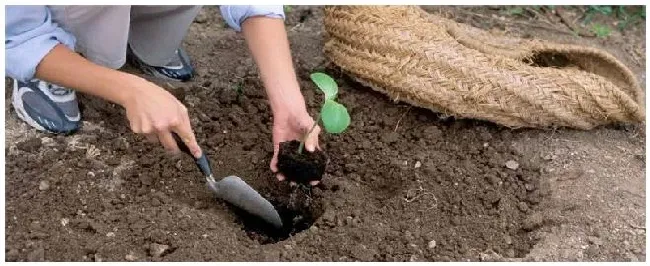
{"x":301,"y":167}
{"x":402,"y":184}
{"x":298,"y":213}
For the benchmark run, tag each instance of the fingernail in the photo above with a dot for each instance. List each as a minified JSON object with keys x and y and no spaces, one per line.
{"x":310,"y":148}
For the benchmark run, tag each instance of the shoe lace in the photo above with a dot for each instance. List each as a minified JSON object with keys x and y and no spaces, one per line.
{"x":57,"y":90}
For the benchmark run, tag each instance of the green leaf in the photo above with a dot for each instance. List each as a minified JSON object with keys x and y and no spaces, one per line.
{"x":288,"y":9}
{"x":335,"y":117}
{"x":326,"y":84}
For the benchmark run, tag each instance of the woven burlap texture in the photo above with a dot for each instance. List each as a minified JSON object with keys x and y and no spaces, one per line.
{"x":458,"y":70}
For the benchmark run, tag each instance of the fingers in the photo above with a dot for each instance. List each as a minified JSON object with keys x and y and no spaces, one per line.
{"x":274,"y":160}
{"x":168,"y":142}
{"x":184,"y":130}
{"x":312,"y":140}
{"x":280,"y":177}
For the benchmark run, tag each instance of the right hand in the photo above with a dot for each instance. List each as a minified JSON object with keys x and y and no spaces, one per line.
{"x":156,"y":113}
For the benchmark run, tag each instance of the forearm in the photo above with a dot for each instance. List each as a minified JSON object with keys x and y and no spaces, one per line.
{"x":66,"y":68}
{"x":269,"y":45}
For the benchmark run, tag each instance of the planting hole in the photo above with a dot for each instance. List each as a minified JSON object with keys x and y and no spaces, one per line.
{"x":298,"y":212}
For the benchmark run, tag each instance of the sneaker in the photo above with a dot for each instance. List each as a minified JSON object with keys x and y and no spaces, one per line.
{"x":179,"y":69}
{"x":46,"y":107}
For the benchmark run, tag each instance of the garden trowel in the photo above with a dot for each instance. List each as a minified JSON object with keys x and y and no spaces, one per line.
{"x":234,"y":190}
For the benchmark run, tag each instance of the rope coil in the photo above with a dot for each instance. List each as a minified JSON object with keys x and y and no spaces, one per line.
{"x":455,"y":69}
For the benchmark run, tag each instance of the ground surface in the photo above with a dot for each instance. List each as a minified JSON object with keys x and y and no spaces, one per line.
{"x":402,"y":184}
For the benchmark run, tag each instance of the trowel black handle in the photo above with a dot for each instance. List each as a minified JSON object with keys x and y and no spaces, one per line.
{"x":202,"y":162}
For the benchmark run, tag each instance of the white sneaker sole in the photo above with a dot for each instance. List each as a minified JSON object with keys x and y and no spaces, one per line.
{"x":16,"y":101}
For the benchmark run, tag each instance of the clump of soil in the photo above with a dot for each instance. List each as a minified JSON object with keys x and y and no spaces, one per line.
{"x":301,"y":167}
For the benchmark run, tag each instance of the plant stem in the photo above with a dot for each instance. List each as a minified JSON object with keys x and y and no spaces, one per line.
{"x":302,"y":142}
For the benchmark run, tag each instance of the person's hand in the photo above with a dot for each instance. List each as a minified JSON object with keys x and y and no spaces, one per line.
{"x":156,"y":113}
{"x":292,"y":125}
{"x":151,"y":110}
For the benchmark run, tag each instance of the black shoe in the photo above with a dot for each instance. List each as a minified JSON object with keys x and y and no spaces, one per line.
{"x":179,"y":69}
{"x":46,"y":107}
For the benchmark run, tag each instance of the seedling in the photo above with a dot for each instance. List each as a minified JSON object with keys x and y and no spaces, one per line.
{"x":334,"y":115}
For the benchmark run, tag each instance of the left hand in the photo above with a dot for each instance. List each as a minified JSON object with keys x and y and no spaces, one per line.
{"x":288,"y":126}
{"x":269,"y":45}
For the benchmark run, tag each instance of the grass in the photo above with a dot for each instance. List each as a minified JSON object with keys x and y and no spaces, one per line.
{"x":600,"y":30}
{"x":624,"y":15}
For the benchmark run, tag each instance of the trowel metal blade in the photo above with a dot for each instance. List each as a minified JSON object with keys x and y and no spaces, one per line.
{"x":234,"y":190}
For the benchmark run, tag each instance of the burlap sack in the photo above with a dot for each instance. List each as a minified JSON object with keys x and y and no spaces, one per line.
{"x":455,"y":69}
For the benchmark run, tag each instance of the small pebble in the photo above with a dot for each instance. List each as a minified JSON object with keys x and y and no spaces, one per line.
{"x":348,"y":220}
{"x":523,"y":206}
{"x":418,"y":164}
{"x":44,"y":185}
{"x":130,"y":257}
{"x":64,"y":221}
{"x":508,"y":240}
{"x":513,"y":165}
{"x":313,"y":229}
{"x":157,"y":250}
{"x":432,"y":244}
{"x":110,"y":234}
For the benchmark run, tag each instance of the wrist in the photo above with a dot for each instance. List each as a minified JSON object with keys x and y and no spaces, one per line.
{"x":124,"y":88}
{"x":288,"y":104}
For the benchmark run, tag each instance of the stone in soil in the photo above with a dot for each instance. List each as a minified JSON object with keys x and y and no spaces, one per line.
{"x":300,"y":167}
{"x":44,"y":185}
{"x":157,"y":250}
{"x":512,"y":165}
{"x":130,"y":257}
